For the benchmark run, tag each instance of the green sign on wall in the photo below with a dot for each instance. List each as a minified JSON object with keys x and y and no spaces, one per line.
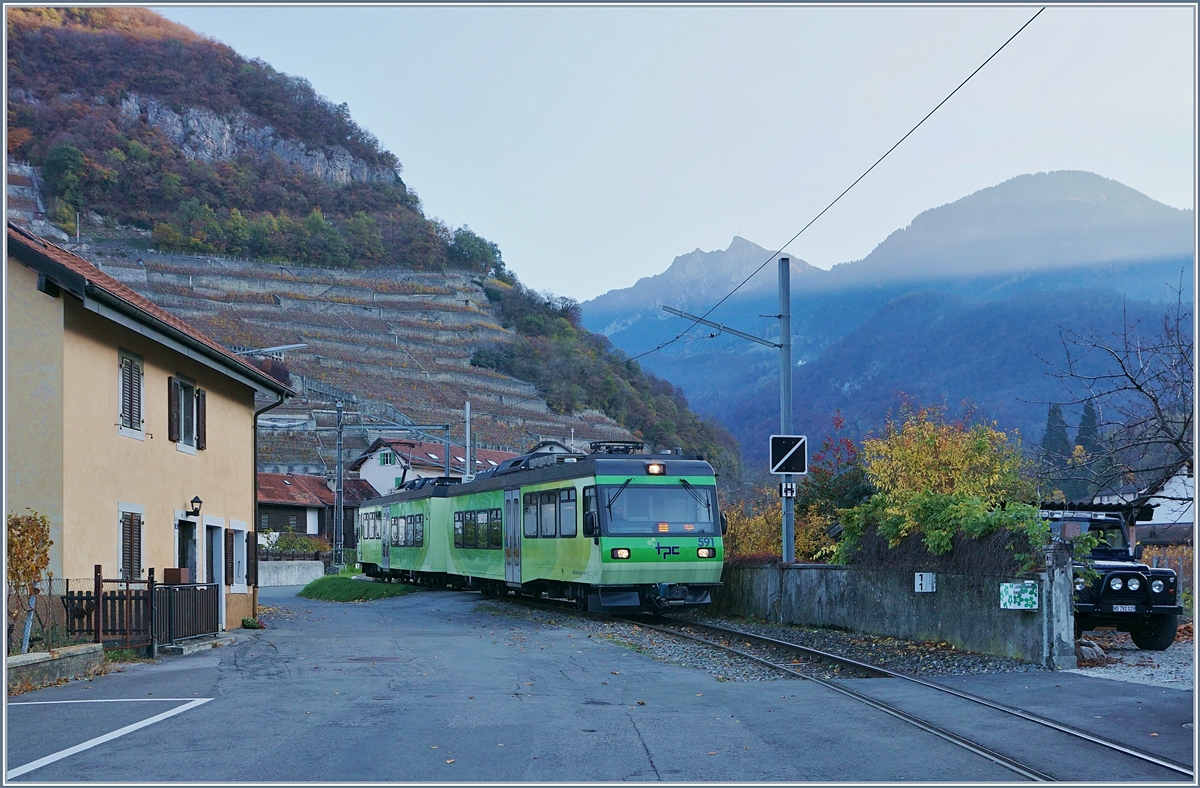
{"x":1019,"y":596}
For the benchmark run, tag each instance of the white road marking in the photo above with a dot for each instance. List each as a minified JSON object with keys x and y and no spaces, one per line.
{"x":87,"y":745}
{"x":98,"y":700}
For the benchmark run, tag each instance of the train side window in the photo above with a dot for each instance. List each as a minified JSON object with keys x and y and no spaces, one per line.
{"x":409,"y":538}
{"x":395,"y":535}
{"x":420,"y":530}
{"x":546,"y":516}
{"x":567,"y":518}
{"x":531,"y":513}
{"x":481,"y":534}
{"x":458,"y":529}
{"x":468,"y":529}
{"x":497,"y":531}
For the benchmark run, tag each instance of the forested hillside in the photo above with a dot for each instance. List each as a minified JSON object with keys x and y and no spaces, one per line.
{"x":148,"y":124}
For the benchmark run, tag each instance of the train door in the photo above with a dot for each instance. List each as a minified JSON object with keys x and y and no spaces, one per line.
{"x":386,"y":549}
{"x":512,"y":537}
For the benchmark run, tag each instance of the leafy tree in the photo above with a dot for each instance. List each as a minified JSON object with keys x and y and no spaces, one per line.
{"x":64,"y":169}
{"x":936,"y":477}
{"x":27,"y":547}
{"x":237,"y":232}
{"x":473,"y":252}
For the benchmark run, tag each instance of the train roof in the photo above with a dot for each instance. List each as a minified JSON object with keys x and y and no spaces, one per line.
{"x":541,"y":467}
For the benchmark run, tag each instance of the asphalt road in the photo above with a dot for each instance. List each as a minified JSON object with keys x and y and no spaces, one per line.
{"x":424,"y":688}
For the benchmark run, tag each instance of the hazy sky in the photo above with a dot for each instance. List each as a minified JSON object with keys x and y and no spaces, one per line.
{"x":594,"y":144}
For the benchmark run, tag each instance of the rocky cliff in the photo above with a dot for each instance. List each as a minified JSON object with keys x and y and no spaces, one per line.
{"x":203,"y":135}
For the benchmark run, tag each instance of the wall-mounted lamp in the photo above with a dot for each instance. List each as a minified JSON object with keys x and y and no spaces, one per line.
{"x":196,"y":503}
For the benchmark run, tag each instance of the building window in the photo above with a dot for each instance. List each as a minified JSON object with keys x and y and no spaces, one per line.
{"x":264,"y":522}
{"x":186,"y":414}
{"x":387,"y":458}
{"x":131,"y":394}
{"x":131,"y":545}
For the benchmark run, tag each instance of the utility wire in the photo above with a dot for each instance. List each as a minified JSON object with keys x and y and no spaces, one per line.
{"x":683,"y":333}
{"x":811,"y":222}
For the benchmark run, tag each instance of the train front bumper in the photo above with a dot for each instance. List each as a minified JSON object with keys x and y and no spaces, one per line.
{"x":656,"y":596}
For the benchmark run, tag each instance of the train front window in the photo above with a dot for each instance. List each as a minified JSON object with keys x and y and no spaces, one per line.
{"x":678,"y":510}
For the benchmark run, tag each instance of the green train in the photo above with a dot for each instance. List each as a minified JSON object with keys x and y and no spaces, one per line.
{"x":614,"y":531}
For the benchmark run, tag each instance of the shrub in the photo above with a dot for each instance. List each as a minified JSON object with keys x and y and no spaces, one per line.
{"x":300,"y":543}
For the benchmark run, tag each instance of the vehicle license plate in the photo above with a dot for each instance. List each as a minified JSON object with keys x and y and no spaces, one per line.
{"x":1124,"y":608}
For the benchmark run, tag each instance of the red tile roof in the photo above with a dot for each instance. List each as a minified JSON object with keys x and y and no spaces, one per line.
{"x":28,"y":247}
{"x":287,"y":489}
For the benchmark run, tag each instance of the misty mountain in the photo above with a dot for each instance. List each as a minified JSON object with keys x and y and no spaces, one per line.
{"x":1024,"y":247}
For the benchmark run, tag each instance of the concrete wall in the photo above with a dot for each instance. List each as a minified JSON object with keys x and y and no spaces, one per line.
{"x":288,"y":573}
{"x":29,"y":671}
{"x":964,"y":610}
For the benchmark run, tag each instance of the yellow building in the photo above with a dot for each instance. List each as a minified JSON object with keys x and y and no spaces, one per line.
{"x":119,"y":417}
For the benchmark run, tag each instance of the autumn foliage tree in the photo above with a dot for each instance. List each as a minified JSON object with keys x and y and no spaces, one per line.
{"x":836,"y":480}
{"x":937,"y":477}
{"x":27,"y":542}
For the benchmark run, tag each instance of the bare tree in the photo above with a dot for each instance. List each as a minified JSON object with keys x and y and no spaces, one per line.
{"x":1140,"y":381}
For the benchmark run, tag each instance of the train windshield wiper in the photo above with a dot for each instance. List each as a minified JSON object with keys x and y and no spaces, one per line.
{"x":692,"y":492}
{"x":617,"y":495}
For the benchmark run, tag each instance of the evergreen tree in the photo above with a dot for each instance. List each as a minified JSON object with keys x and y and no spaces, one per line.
{"x":1089,"y":435}
{"x":1091,"y":461}
{"x":1056,"y":449}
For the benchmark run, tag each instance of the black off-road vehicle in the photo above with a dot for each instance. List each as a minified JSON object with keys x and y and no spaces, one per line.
{"x":1128,"y":595}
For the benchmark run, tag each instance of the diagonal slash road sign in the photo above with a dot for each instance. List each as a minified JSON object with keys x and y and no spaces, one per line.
{"x":789,"y":454}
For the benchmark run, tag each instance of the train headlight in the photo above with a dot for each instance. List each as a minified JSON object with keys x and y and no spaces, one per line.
{"x":1157,"y":586}
{"x":706,"y":552}
{"x":1134,"y":584}
{"x":1115,"y":584}
{"x":620,"y":552}
{"x":1080,"y":584}
{"x":656,"y":468}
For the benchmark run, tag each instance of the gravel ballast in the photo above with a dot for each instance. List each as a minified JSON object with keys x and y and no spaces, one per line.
{"x":1125,"y":662}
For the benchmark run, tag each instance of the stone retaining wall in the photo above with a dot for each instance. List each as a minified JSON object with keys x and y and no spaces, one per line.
{"x":964,"y":610}
{"x":288,"y":573}
{"x":26,"y":672}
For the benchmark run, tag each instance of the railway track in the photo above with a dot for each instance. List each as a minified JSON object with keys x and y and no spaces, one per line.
{"x":769,"y":650}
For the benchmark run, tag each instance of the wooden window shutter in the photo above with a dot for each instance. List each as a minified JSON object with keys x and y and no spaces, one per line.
{"x":135,"y":394}
{"x":228,"y":557}
{"x":252,"y":559}
{"x":127,"y":393}
{"x":173,"y":410}
{"x":126,"y":544}
{"x":135,"y":546}
{"x":201,"y":431}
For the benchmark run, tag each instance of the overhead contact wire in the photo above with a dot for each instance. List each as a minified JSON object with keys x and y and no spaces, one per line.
{"x":843,"y":194}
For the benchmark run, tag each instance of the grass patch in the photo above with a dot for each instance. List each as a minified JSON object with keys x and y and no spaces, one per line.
{"x":126,"y":655}
{"x":341,"y":588}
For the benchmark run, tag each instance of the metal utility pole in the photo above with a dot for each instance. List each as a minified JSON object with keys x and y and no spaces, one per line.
{"x":338,"y":508}
{"x":785,"y":398}
{"x":468,"y":467}
{"x":785,"y":383}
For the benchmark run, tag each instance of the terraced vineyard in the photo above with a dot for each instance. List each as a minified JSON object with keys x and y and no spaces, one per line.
{"x":396,"y":344}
